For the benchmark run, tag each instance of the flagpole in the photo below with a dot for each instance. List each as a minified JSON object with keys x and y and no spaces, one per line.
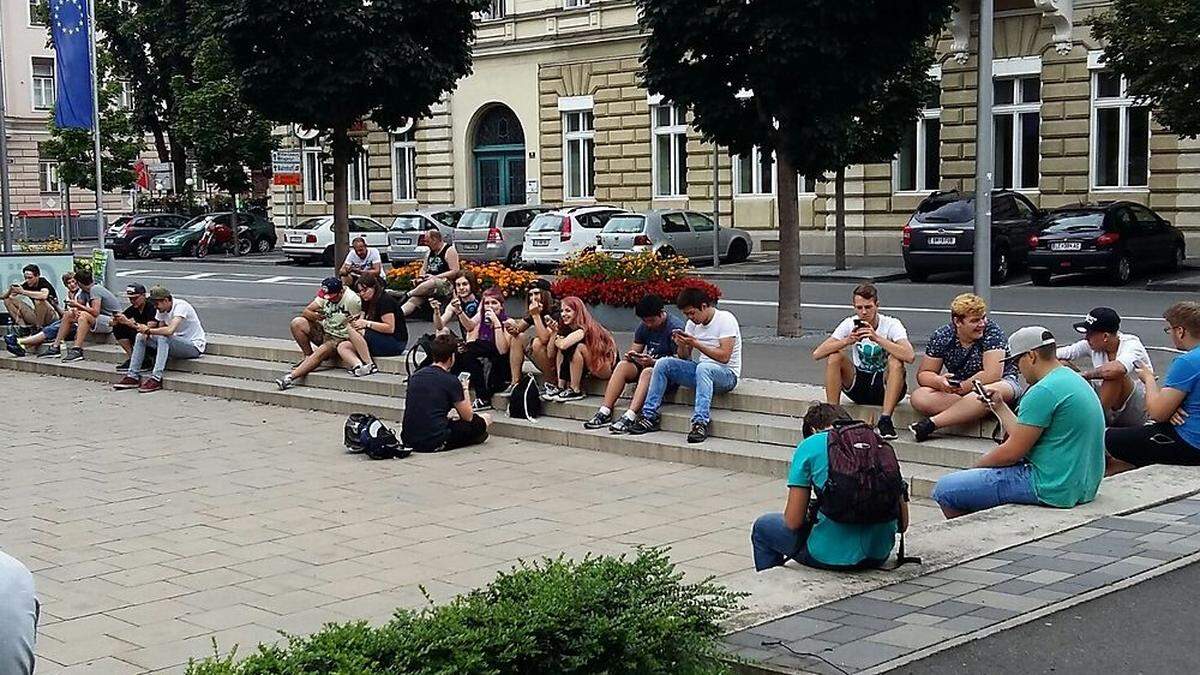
{"x":100,"y":224}
{"x":5,"y":198}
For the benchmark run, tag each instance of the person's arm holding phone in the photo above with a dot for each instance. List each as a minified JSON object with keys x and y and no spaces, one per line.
{"x":463,"y":405}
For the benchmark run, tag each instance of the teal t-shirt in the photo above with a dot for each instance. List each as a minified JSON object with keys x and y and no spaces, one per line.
{"x":829,"y":542}
{"x":1068,"y":459}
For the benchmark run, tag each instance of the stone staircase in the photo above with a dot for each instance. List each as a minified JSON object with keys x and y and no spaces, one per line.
{"x":755,"y":428}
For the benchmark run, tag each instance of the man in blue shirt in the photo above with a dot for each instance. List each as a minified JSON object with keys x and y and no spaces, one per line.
{"x":651,"y":341}
{"x":825,"y":544}
{"x":1174,"y":435}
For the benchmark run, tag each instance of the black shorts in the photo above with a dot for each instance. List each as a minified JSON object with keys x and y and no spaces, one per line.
{"x":1157,"y":443}
{"x":868,"y":388}
{"x":463,"y":433}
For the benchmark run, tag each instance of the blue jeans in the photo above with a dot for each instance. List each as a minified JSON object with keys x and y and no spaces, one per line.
{"x":775,"y":543}
{"x":706,"y":378}
{"x":165,"y":348}
{"x":978,"y":489}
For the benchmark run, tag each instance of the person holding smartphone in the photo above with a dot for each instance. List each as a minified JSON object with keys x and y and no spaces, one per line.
{"x":531,"y":338}
{"x":484,"y":354}
{"x":437,"y":412}
{"x":651,"y":341}
{"x":31,"y":302}
{"x":865,"y":359}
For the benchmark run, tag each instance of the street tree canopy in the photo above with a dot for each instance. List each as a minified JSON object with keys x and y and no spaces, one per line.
{"x":1155,"y":44}
{"x":814,"y":69}
{"x":330,"y":65}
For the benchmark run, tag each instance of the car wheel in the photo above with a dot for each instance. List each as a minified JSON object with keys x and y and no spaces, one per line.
{"x":514,"y":258}
{"x":142,"y":250}
{"x":1000,"y":266}
{"x":916,"y":274}
{"x":244,"y":246}
{"x":1122,"y":271}
{"x":738,"y":251}
{"x":1040,"y":277}
{"x":263,"y":245}
{"x":200,"y":252}
{"x":327,"y":257}
{"x":1179,"y":257}
{"x":189,"y":250}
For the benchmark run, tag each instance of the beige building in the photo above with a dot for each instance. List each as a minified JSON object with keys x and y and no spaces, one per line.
{"x":553,"y":113}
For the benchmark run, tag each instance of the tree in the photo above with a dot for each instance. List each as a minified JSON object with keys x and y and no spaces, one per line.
{"x":811,"y":65}
{"x":1155,"y":45}
{"x":332,"y":65}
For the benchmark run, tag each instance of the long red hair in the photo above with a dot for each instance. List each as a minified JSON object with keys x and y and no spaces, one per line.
{"x":602,"y":348}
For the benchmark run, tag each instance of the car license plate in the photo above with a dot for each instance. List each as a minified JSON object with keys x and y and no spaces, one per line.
{"x":404,"y":241}
{"x":155,"y":247}
{"x":617,"y":254}
{"x":470,"y":247}
{"x":943,"y":241}
{"x":1066,"y":246}
{"x":295,"y":240}
{"x":541,"y":242}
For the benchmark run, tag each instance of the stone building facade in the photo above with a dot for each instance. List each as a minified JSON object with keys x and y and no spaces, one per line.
{"x":554,"y":113}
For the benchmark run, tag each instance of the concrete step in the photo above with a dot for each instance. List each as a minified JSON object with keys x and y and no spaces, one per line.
{"x":733,"y":455}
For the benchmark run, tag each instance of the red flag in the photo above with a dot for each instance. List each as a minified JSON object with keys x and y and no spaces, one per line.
{"x":143,"y":175}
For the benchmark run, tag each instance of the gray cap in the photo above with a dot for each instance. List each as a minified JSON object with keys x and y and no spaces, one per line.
{"x":1028,"y":339}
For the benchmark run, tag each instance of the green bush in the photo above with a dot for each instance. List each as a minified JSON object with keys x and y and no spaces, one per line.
{"x":600,"y":615}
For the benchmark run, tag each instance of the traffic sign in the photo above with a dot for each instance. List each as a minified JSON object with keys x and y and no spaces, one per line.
{"x":285,"y":166}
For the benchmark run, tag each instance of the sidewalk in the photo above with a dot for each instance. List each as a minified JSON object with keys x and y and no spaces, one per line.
{"x":765,"y":267}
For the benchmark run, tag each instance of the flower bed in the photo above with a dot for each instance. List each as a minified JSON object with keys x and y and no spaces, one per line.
{"x":511,"y":282}
{"x":601,"y":279}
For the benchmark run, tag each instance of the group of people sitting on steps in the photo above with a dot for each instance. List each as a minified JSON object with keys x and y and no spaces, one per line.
{"x":1069,"y":415}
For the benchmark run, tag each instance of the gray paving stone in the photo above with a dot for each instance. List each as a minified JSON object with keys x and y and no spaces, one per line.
{"x":1164,"y":556}
{"x":1035,"y":563}
{"x":824,"y":613}
{"x":981,"y":577}
{"x":746,"y":638}
{"x":1181,"y":528}
{"x":845,"y":634}
{"x":1017,"y":569}
{"x":984,"y":564}
{"x":793,"y":628}
{"x":1039,"y":547}
{"x":1043,"y":577}
{"x":966,"y":624}
{"x":1009,"y":554}
{"x":1068,"y":587}
{"x":1016,"y":603}
{"x":865,"y":654}
{"x":871,"y":622}
{"x":994,"y":613}
{"x":950,"y":608}
{"x":1016,"y":586}
{"x":1044,"y":594}
{"x":1089,"y":557}
{"x":1185,"y":507}
{"x":921,"y":619}
{"x":915,"y":637}
{"x":878,"y":609}
{"x":907,"y":588}
{"x":1126,"y":524}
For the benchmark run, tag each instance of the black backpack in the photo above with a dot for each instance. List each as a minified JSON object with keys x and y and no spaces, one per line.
{"x":366,"y":434}
{"x":418,"y":357}
{"x":526,"y":400}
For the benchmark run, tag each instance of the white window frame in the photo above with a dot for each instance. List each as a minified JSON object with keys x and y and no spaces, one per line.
{"x":755,"y":157}
{"x":357,"y":175}
{"x":920,"y":158}
{"x":1017,"y":69}
{"x":674,"y":134}
{"x":310,"y":153}
{"x":575,"y":179}
{"x":1124,"y":103}
{"x":37,"y":82}
{"x":125,"y":97}
{"x":575,"y":4}
{"x":48,"y":183}
{"x":404,"y":166}
{"x":496,"y":10}
{"x":32,"y":23}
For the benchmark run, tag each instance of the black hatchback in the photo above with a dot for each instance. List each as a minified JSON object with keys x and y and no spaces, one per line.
{"x":131,"y":235}
{"x":1114,"y":238}
{"x":940,"y":236}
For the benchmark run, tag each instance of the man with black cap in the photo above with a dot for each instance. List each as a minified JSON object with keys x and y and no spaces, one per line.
{"x":321,"y":327}
{"x":125,"y":323}
{"x":176,"y":333}
{"x":1116,"y":357}
{"x":1054,"y":453}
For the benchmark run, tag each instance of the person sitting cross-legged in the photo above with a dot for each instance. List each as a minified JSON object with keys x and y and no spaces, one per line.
{"x":716,"y":335}
{"x":432,"y":394}
{"x":823,"y":543}
{"x":380,"y":331}
{"x":1054,"y":453}
{"x":865,"y":359}
{"x":54,"y":332}
{"x":321,"y":327}
{"x":1115,"y":358}
{"x":140,"y":310}
{"x":176,"y":333}
{"x":651,"y":341}
{"x":970,"y":348}
{"x":1173,"y":437}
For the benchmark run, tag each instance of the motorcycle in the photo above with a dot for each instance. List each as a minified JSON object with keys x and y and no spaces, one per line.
{"x":218,"y":238}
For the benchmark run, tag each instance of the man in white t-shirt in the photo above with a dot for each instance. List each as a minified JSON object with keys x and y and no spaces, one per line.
{"x":1116,"y":357}
{"x":865,"y":359}
{"x":716,"y":336}
{"x":176,"y":333}
{"x":361,"y":261}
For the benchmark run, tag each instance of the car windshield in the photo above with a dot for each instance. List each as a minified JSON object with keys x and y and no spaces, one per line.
{"x":1074,"y":221}
{"x":957,"y":211}
{"x":625,"y":225}
{"x":196,"y":223}
{"x":311,"y":223}
{"x":477,"y":220}
{"x":448,"y":218}
{"x":407,"y":223}
{"x":123,"y":220}
{"x":546,"y":222}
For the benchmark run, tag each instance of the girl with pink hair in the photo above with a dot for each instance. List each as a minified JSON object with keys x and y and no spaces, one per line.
{"x":582,"y":346}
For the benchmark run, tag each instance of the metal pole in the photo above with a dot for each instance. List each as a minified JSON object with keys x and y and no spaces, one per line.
{"x":716,"y":188}
{"x":96,"y":123}
{"x":5,"y":197}
{"x":984,"y":155}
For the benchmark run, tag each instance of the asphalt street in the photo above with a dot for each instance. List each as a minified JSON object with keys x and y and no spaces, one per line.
{"x":258,"y":296}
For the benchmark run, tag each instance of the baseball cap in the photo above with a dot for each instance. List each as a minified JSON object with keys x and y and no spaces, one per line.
{"x":1104,"y":319}
{"x":1028,"y":339}
{"x":332,"y":286}
{"x":135,"y":289}
{"x":159,"y":293}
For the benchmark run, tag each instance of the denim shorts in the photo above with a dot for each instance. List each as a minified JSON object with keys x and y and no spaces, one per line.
{"x":978,"y":489}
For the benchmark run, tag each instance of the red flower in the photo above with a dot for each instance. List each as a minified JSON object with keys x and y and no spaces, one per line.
{"x":626,"y":293}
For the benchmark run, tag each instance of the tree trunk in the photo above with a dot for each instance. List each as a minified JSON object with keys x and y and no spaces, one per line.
{"x":342,"y":154}
{"x":839,"y":227}
{"x":788,"y":318}
{"x":179,"y":165}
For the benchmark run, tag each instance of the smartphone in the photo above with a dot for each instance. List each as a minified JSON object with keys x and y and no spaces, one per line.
{"x":954,"y":383}
{"x":980,"y":391}
{"x":464,"y":377}
{"x":859,"y":323}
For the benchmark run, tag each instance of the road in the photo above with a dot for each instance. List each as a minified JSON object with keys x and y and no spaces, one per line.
{"x":259,"y":296}
{"x":1147,"y":628}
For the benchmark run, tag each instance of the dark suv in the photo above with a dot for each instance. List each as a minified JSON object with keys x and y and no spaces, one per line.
{"x":130,"y":235}
{"x":1114,"y":238}
{"x":940,"y":237}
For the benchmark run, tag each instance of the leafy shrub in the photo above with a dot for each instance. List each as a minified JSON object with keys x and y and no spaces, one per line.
{"x":644,"y":266}
{"x":53,"y":245}
{"x":626,"y":293}
{"x":511,"y":282}
{"x":600,"y":615}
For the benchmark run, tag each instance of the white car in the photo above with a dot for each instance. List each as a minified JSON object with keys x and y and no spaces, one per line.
{"x":557,"y":235}
{"x":312,"y":240}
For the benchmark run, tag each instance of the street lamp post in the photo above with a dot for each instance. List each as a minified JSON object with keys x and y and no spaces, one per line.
{"x":984,"y":155}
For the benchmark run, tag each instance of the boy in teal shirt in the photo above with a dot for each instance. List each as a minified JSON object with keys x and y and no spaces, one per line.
{"x":825,"y":544}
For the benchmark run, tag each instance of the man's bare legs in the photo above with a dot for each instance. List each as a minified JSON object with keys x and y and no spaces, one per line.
{"x":893,"y":385}
{"x":302,"y":330}
{"x":946,"y":410}
{"x":623,"y":374}
{"x":418,"y":295}
{"x":839,"y":375}
{"x":354,"y":350}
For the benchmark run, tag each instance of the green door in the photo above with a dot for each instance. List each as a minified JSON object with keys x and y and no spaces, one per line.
{"x":499,"y":176}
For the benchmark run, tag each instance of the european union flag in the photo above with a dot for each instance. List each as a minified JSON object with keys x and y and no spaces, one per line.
{"x":69,"y":30}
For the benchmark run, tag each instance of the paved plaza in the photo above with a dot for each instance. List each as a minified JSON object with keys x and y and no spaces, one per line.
{"x":155,"y":524}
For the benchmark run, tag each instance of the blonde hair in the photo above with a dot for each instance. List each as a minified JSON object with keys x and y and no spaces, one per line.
{"x":966,"y":305}
{"x":1185,"y":315}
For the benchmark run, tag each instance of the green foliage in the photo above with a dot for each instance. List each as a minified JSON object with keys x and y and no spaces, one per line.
{"x":600,"y":615}
{"x":1155,"y":44}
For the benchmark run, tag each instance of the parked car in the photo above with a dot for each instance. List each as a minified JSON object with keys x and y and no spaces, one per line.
{"x":492,"y":233}
{"x":131,"y":235}
{"x":182,"y":242}
{"x":1116,"y":238}
{"x":670,"y":232}
{"x":406,"y":237}
{"x":554,"y":236}
{"x":312,"y":239}
{"x":940,"y":236}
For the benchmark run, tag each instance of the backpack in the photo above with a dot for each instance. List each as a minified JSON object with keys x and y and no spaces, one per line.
{"x":418,"y":357}
{"x":526,"y":400}
{"x":864,"y":485}
{"x":365,"y":433}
